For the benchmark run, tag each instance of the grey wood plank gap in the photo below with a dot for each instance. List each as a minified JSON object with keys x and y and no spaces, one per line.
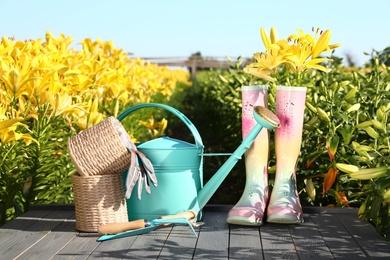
{"x":213,"y":240}
{"x":308,"y":241}
{"x":149,"y":246}
{"x":180,"y":243}
{"x":51,"y":243}
{"x":15,"y":246}
{"x":21,"y":223}
{"x":80,"y":247}
{"x":112,"y":249}
{"x":369,"y":240}
{"x":277,"y":242}
{"x":245,"y":243}
{"x":337,"y":237}
{"x":327,"y":233}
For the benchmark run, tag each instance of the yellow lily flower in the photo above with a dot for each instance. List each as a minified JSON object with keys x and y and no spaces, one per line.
{"x":62,"y":104}
{"x":94,"y":118}
{"x":303,"y":48}
{"x":266,"y":63}
{"x":322,"y":44}
{"x":14,"y":82}
{"x":27,"y":139}
{"x":299,"y":60}
{"x":316,"y":44}
{"x":262,"y":73}
{"x":299,"y":52}
{"x":155,"y":128}
{"x":8,"y":131}
{"x":9,"y":122}
{"x":80,"y":121}
{"x":267,"y":40}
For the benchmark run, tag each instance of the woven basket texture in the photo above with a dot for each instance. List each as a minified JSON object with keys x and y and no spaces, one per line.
{"x":99,"y":149}
{"x":99,"y":200}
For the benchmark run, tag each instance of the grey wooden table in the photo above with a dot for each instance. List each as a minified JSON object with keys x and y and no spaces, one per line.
{"x":48,"y":232}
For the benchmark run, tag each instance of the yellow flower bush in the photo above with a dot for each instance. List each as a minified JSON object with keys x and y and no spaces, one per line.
{"x":298,"y":53}
{"x":50,"y":89}
{"x":79,"y":84}
{"x":8,"y":131}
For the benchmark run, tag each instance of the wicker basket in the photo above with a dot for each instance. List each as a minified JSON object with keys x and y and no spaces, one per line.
{"x":100,"y":149}
{"x":98,"y":200}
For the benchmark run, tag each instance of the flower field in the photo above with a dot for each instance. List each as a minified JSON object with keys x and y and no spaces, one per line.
{"x":50,"y":91}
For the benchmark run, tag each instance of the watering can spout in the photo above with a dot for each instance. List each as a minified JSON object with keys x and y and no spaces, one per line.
{"x":264,"y":118}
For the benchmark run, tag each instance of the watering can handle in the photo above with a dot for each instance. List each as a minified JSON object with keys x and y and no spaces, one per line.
{"x":180,"y":115}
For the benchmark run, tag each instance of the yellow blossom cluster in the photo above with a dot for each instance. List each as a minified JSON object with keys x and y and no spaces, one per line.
{"x":82,"y":83}
{"x":298,"y":52}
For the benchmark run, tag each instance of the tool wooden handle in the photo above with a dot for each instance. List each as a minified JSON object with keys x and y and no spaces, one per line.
{"x":190,"y":215}
{"x":115,"y":228}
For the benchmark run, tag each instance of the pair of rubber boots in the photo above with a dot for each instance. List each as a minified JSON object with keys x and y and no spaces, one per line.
{"x":257,"y":204}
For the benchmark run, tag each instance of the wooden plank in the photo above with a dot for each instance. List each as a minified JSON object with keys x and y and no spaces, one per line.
{"x":33,"y":234}
{"x":277,"y":242}
{"x":308,"y":241}
{"x":134,"y":247}
{"x":38,"y":207}
{"x":53,"y":242}
{"x":213,"y":240}
{"x":245,"y":243}
{"x":329,"y":210}
{"x":337,"y":237}
{"x":372,"y":243}
{"x":113,"y":249}
{"x":80,"y":247}
{"x":48,"y":233}
{"x":21,"y":223}
{"x":149,"y":246}
{"x":180,"y":243}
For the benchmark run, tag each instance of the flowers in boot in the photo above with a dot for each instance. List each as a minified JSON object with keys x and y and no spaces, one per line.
{"x":295,"y":55}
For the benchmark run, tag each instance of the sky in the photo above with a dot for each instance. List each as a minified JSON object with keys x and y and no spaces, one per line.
{"x":215,"y":28}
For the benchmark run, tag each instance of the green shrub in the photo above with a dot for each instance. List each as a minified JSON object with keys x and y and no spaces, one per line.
{"x":346,"y":123}
{"x":213,"y":104}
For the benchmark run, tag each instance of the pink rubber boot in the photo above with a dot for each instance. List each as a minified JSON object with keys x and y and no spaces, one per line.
{"x":284,"y":205}
{"x":250,"y":208}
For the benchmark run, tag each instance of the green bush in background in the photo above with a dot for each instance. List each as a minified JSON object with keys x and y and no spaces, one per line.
{"x":213,"y":105}
{"x":344,"y":158}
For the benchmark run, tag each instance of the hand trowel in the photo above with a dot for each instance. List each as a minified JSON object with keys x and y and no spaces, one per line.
{"x":137,"y":227}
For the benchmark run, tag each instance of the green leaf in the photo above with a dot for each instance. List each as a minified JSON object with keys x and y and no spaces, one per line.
{"x":346,"y":133}
{"x":332,"y":144}
{"x":375,"y":208}
{"x":313,"y":157}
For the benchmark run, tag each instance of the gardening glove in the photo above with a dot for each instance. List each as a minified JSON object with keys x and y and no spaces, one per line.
{"x":133,"y":174}
{"x":141,"y":180}
{"x":141,"y":169}
{"x":147,"y":168}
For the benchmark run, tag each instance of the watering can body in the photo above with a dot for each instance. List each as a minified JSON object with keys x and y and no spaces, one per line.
{"x":178,"y":166}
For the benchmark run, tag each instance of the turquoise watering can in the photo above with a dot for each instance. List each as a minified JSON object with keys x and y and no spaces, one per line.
{"x":178,"y":166}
